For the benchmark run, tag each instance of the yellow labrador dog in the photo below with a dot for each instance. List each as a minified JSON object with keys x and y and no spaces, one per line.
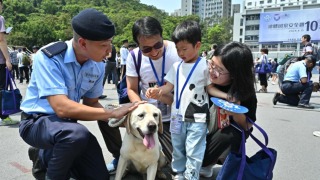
{"x":141,"y":147}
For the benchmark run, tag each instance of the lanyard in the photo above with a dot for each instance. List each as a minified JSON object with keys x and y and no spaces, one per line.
{"x":160,"y":83}
{"x":178,"y":98}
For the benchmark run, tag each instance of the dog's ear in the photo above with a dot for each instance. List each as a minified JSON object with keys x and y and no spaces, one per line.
{"x":160,"y":126}
{"x":128,"y":124}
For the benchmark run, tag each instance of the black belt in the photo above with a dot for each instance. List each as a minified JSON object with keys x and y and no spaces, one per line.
{"x":35,"y":116}
{"x":288,"y":82}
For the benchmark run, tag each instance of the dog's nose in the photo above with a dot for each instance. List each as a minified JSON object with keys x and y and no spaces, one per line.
{"x":152,"y":127}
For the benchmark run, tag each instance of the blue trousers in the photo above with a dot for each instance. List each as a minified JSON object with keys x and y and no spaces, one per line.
{"x":67,"y":148}
{"x":188,"y":149}
{"x":296,"y":93}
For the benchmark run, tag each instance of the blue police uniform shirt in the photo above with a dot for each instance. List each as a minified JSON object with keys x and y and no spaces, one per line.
{"x":61,"y":75}
{"x":296,"y":71}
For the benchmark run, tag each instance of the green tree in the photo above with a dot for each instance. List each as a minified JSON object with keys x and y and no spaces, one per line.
{"x":220,"y":33}
{"x":43,"y":21}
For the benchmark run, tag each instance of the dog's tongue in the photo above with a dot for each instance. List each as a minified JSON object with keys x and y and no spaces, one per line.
{"x":148,"y":141}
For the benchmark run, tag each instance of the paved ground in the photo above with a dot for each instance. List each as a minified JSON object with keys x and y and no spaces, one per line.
{"x":289,"y":129}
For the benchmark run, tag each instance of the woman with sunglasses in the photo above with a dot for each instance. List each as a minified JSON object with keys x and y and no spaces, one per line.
{"x":230,"y":71}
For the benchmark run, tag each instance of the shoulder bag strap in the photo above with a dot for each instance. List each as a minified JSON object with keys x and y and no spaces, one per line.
{"x":11,"y":82}
{"x":264,"y":148}
{"x":137,"y":65}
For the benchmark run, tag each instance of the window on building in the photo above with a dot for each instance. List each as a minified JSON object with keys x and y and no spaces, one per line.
{"x":249,"y":3}
{"x":241,"y":40}
{"x":288,"y":47}
{"x":241,"y":22}
{"x":241,"y":31}
{"x":269,"y":1}
{"x":261,"y":2}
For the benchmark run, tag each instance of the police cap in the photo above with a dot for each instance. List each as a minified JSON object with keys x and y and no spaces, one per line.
{"x":93,"y":25}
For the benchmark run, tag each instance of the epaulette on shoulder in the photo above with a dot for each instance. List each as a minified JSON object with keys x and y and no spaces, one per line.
{"x":54,"y":49}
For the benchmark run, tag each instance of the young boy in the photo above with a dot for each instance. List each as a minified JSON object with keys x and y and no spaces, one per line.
{"x":190,"y":109}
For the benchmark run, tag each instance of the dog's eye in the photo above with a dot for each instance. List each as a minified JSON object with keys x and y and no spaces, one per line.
{"x":141,"y":115}
{"x":155,"y":114}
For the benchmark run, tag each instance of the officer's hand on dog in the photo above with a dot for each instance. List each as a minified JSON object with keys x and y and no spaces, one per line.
{"x":124,"y":109}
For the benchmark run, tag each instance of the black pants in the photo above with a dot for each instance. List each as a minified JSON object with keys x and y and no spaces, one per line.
{"x":111,"y":68}
{"x":227,"y":139}
{"x":2,"y":76}
{"x":24,"y":73}
{"x":67,"y":148}
{"x":296,"y":93}
{"x":15,"y":71}
{"x":2,"y":83}
{"x":263,"y":80}
{"x":123,"y":71}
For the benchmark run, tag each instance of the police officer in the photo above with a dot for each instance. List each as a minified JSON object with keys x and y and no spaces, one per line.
{"x":297,"y":87}
{"x":63,"y":73}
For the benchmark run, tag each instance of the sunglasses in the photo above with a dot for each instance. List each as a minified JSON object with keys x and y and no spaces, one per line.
{"x":158,"y":45}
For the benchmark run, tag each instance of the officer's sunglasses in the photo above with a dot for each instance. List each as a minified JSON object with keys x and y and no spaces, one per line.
{"x":158,"y":45}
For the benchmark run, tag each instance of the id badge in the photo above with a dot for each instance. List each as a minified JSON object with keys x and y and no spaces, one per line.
{"x":163,"y":108}
{"x":176,"y":124}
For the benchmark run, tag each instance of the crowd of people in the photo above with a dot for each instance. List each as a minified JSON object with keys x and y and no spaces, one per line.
{"x":174,"y":76}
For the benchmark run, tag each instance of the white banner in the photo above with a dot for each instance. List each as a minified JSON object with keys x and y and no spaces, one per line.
{"x":289,"y":26}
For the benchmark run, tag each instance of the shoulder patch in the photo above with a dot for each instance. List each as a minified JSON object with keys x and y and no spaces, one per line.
{"x":54,"y":49}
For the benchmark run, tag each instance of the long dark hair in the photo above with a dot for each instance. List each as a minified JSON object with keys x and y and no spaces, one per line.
{"x":238,"y":60}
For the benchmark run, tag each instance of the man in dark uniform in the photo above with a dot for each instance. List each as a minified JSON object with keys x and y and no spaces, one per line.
{"x":111,"y":67}
{"x":63,"y":73}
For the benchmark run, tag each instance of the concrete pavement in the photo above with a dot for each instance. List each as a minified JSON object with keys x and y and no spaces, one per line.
{"x":289,"y":129}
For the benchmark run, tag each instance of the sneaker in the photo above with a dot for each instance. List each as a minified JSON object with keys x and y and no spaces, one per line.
{"x":179,"y":176}
{"x":206,"y":171}
{"x":275,"y":98}
{"x":112,"y":167}
{"x":102,"y":96}
{"x":7,"y":121}
{"x":305,"y":106}
{"x":262,"y":91}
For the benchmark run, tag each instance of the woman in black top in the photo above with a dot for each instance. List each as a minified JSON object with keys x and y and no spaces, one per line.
{"x":231,"y":72}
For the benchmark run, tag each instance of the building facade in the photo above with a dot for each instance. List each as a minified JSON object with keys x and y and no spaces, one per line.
{"x":247,"y":25}
{"x":235,"y":9}
{"x":206,"y":8}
